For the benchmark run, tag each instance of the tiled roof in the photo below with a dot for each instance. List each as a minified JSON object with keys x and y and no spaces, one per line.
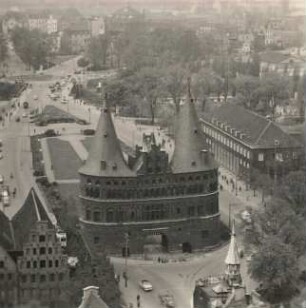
{"x":276,"y":57}
{"x":91,"y":299}
{"x":105,"y":157}
{"x":190,"y":143}
{"x":24,"y":220}
{"x":259,"y":131}
{"x":6,"y":237}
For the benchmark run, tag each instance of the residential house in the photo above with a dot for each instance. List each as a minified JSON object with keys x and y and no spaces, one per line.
{"x":44,"y":23}
{"x":42,"y":267}
{"x":8,"y":267}
{"x":242,"y":140}
{"x":96,"y":26}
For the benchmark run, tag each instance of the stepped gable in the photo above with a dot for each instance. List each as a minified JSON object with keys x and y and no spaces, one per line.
{"x":24,"y":220}
{"x":191,"y":151}
{"x":105,"y":158}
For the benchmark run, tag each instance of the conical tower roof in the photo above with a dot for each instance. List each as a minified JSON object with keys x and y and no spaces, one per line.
{"x":105,"y":158}
{"x":232,"y":257}
{"x":191,"y":151}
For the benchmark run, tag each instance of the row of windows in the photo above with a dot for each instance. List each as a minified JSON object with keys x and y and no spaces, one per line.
{"x":8,"y":276}
{"x":173,"y":179}
{"x":41,"y":264}
{"x":227,"y":141}
{"x":41,"y":251}
{"x":44,"y":294}
{"x":42,"y":277}
{"x":96,"y":192}
{"x":152,"y":212}
{"x":41,"y":238}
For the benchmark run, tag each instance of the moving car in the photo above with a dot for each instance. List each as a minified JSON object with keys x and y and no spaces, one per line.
{"x":146,"y":285}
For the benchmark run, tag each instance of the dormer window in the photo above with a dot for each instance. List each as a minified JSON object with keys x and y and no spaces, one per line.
{"x":115,"y":166}
{"x":105,"y":110}
{"x":103,"y":165}
{"x":195,"y":131}
{"x":105,"y":135}
{"x":193,"y":163}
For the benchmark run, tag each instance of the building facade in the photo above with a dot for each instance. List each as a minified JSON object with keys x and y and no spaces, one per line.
{"x":8,"y":280}
{"x":242,"y":140}
{"x":46,"y":24}
{"x":170,"y":205}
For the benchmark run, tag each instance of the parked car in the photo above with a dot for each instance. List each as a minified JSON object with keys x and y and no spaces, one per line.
{"x":1,"y":155}
{"x":50,"y":133}
{"x":145,"y":285}
{"x":25,"y":105}
{"x":1,"y":179}
{"x":17,"y":119}
{"x":24,"y":115}
{"x":88,"y":132}
{"x":35,"y":97}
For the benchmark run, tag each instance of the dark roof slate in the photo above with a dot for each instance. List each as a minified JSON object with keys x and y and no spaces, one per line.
{"x":6,"y":236}
{"x":190,"y":143}
{"x":24,"y":220}
{"x":105,"y":158}
{"x":259,"y":131}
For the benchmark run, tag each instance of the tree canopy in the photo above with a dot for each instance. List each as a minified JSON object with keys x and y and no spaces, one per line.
{"x":32,"y":47}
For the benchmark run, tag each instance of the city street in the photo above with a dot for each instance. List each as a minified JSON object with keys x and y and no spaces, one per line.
{"x":177,"y":278}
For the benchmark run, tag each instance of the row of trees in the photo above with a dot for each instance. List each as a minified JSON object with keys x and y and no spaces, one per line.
{"x":277,"y":234}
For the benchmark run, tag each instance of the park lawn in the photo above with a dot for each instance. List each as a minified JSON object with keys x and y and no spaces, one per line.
{"x":65,"y":160}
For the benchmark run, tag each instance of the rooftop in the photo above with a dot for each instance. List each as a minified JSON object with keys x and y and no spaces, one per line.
{"x":278,"y":57}
{"x":191,"y":152}
{"x":258,"y":131}
{"x":105,"y":157}
{"x":24,"y":220}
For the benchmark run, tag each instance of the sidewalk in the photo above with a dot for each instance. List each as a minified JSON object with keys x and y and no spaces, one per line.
{"x":228,"y":181}
{"x":47,"y":160}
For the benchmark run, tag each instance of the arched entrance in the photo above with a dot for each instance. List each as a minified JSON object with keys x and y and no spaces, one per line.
{"x":164,"y":243}
{"x":186,"y":247}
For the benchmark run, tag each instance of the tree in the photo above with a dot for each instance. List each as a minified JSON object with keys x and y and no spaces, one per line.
{"x":3,"y":50}
{"x":273,"y":90}
{"x":275,"y":267}
{"x":97,"y":51}
{"x":205,"y":83}
{"x":278,"y":219}
{"x":149,"y":86}
{"x":32,"y":47}
{"x":292,"y":189}
{"x":246,"y":86}
{"x":174,"y":83}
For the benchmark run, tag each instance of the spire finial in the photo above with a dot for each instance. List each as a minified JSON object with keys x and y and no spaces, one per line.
{"x":233,"y":228}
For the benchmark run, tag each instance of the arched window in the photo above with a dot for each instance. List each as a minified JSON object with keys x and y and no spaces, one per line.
{"x":109,"y":216}
{"x":88,"y":214}
{"x":96,"y":216}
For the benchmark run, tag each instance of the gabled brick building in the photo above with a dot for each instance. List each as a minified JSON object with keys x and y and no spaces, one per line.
{"x":176,"y":202}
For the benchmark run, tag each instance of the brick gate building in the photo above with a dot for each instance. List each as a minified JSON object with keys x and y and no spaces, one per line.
{"x":167,"y":206}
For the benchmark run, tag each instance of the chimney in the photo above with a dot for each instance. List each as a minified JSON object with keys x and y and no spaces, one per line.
{"x":90,"y":290}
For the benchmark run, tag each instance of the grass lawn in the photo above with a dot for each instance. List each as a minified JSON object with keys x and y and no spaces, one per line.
{"x":65,"y":161}
{"x":70,"y":193}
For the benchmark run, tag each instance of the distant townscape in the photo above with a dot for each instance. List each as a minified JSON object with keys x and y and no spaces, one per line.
{"x":152,"y":154}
